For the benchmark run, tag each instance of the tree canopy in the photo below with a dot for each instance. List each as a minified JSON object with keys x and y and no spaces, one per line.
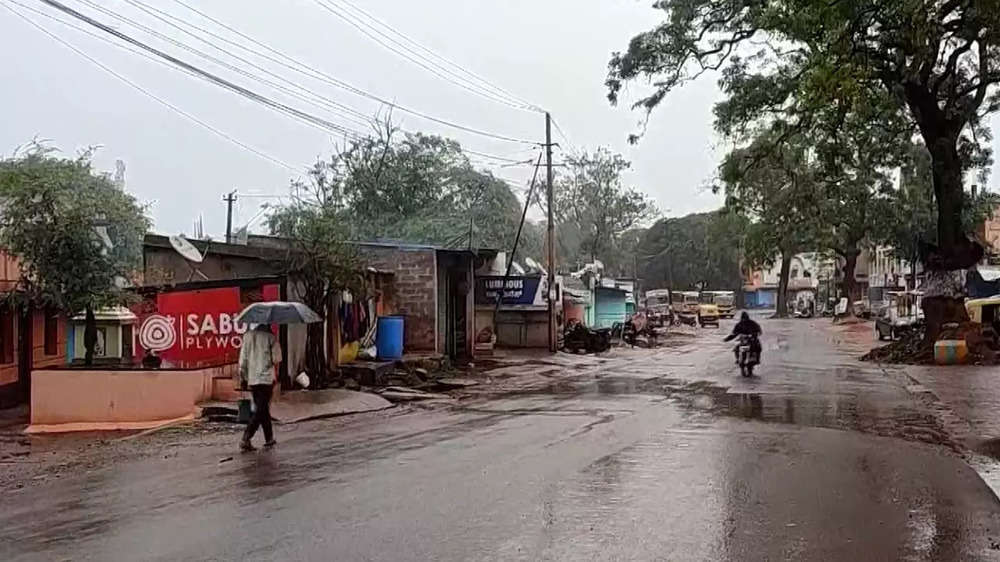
{"x":419,"y":188}
{"x":594,"y":209}
{"x":697,"y":249}
{"x":936,"y":63}
{"x":320,"y":260}
{"x":77,"y":237}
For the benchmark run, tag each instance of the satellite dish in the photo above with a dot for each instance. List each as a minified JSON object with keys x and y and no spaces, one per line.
{"x":186,"y":249}
{"x":534,"y":265}
{"x":189,"y":253}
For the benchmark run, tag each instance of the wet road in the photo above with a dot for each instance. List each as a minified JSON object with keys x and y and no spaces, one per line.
{"x":643,"y":455}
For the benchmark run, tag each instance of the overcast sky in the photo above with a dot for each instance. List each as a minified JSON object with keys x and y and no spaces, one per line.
{"x":553,"y":54}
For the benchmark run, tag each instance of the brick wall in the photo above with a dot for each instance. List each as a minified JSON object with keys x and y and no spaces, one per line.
{"x":415,"y":290}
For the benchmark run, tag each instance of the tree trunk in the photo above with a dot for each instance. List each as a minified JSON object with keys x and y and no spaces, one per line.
{"x":944,"y":290}
{"x":954,"y":251}
{"x":786,"y":266}
{"x":946,"y":171}
{"x":89,"y":336}
{"x":849,"y":284}
{"x":943,"y":302}
{"x":316,"y":364}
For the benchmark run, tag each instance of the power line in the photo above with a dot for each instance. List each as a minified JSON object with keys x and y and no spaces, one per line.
{"x":215,"y":79}
{"x":143,"y":54}
{"x":563,"y":134}
{"x":491,"y":156}
{"x":486,"y":84}
{"x":407,"y":53}
{"x":310,"y":71}
{"x":153,"y":96}
{"x":350,"y":113}
{"x":324,"y":102}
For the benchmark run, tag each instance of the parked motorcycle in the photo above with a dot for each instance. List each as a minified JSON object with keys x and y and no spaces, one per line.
{"x":748,"y":357}
{"x":629,"y":334}
{"x":579,"y":337}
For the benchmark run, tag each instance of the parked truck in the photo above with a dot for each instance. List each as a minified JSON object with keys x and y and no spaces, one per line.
{"x":658,"y":307}
{"x":723,"y":300}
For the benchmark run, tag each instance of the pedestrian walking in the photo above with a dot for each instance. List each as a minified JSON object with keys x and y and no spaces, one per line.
{"x":259,"y":355}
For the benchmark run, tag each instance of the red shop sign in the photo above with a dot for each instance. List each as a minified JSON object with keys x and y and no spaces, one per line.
{"x":190,"y":327}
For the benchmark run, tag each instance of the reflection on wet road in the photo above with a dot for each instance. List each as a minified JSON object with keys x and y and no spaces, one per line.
{"x":648,"y":455}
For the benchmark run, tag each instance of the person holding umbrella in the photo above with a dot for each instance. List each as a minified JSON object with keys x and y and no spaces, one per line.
{"x":259,"y":355}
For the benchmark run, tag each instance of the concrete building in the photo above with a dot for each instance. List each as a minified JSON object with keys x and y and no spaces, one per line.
{"x":522,"y":319}
{"x":430,"y":287}
{"x":30,"y":338}
{"x":811,"y":276}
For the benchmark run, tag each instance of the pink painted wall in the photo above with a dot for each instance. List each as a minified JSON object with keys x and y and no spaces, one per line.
{"x":106,"y":396}
{"x":573,"y":311}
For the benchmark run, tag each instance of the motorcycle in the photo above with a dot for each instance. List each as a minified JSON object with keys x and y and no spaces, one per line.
{"x":629,"y":334}
{"x":748,"y":358}
{"x":590,"y":340}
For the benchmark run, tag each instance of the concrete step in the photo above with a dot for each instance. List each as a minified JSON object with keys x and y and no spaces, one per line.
{"x":225,"y":390}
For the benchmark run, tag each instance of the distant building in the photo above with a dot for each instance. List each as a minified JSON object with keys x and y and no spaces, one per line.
{"x":811,"y":276}
{"x":30,"y":338}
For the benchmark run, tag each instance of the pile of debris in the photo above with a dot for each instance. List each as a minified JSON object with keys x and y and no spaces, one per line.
{"x":911,"y":349}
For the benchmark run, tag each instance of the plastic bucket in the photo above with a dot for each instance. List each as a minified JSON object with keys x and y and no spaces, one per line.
{"x":244,"y":410}
{"x":389,"y":337}
{"x":302,"y":379}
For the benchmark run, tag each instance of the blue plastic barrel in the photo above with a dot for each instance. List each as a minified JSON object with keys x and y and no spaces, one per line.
{"x":389,"y":337}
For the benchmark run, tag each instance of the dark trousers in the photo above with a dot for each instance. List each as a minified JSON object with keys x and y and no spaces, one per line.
{"x":262,"y":412}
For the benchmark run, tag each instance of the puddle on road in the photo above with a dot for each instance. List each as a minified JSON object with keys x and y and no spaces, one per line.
{"x":865,"y":409}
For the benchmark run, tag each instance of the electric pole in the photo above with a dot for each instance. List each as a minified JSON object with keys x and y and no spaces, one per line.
{"x":229,"y":198}
{"x":551,"y":238}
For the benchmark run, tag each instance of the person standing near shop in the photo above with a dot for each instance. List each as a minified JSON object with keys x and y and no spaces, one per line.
{"x":260,"y":354}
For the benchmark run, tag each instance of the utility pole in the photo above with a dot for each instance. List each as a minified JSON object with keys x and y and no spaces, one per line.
{"x":551,"y":239}
{"x":229,"y":198}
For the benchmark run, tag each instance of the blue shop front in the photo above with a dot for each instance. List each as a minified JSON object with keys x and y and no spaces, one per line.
{"x":522,"y":318}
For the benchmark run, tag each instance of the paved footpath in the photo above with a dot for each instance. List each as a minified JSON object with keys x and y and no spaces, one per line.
{"x":662,"y":454}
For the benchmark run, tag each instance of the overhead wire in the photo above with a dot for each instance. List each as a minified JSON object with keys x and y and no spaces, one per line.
{"x":175,"y":63}
{"x":402,"y":50}
{"x":166,"y":17}
{"x":323,"y":103}
{"x":563,"y":134}
{"x":307,"y":118}
{"x":350,"y":113}
{"x":308,"y":70}
{"x":151,"y":95}
{"x":473,"y":77}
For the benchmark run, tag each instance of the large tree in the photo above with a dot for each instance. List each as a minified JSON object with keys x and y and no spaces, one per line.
{"x":593,"y":201}
{"x":319,"y":260}
{"x":76,"y":236}
{"x":419,"y":188}
{"x":776,"y":188}
{"x":700,"y":249}
{"x":937,"y":61}
{"x":906,"y":219}
{"x":857,"y":147}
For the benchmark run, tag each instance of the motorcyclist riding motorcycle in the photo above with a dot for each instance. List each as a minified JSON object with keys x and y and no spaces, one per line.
{"x":748,"y":327}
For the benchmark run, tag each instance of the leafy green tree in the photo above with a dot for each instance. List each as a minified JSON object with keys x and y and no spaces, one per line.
{"x":76,"y":236}
{"x":938,"y":63}
{"x":908,"y":221}
{"x":776,"y":189}
{"x":908,"y":217}
{"x":700,"y":249}
{"x":419,"y":188}
{"x":856,"y":147}
{"x":592,"y":202}
{"x":320,"y":262}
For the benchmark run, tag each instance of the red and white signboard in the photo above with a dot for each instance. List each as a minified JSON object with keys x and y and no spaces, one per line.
{"x":197,"y":326}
